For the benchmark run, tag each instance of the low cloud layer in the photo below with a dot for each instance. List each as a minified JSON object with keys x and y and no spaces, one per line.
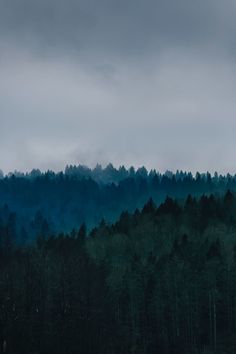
{"x":129,"y":82}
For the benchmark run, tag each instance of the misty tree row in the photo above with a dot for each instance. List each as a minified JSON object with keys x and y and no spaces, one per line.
{"x":51,"y":202}
{"x":111,"y":174}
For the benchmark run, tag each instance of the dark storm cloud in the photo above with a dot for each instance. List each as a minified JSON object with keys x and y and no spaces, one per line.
{"x":134,"y":82}
{"x":118,"y":27}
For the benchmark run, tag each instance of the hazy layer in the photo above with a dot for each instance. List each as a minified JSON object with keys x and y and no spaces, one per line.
{"x":131,"y":82}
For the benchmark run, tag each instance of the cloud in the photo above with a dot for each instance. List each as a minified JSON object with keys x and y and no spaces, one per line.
{"x":133,"y":82}
{"x":116,"y":28}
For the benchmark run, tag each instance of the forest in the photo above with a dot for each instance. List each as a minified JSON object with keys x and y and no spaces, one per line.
{"x":44,"y":203}
{"x":161,"y":278}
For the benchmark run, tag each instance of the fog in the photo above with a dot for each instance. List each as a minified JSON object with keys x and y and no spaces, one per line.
{"x":129,"y":82}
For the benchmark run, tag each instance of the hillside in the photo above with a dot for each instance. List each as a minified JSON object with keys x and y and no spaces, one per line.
{"x":36,"y":202}
{"x":160,"y":280}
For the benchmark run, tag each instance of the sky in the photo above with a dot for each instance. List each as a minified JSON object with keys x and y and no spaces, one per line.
{"x":133,"y":82}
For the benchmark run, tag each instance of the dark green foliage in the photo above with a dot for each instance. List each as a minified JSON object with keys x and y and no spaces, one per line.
{"x":161,"y":280}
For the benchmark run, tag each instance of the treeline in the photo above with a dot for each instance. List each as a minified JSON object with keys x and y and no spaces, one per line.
{"x":53,"y":202}
{"x":160,"y":280}
{"x":111,"y":174}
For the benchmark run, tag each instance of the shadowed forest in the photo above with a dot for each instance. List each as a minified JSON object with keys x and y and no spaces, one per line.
{"x":117,"y":262}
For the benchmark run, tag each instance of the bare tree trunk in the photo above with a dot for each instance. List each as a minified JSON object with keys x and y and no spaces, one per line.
{"x":214,"y":319}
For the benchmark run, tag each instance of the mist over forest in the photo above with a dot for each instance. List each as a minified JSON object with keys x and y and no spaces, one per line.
{"x":137,"y":254}
{"x":47,"y":203}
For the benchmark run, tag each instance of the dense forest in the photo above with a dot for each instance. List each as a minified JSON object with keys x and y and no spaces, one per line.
{"x":49,"y":202}
{"x":161,"y":279}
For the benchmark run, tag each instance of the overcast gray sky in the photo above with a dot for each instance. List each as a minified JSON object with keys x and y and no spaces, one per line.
{"x":134,"y":82}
